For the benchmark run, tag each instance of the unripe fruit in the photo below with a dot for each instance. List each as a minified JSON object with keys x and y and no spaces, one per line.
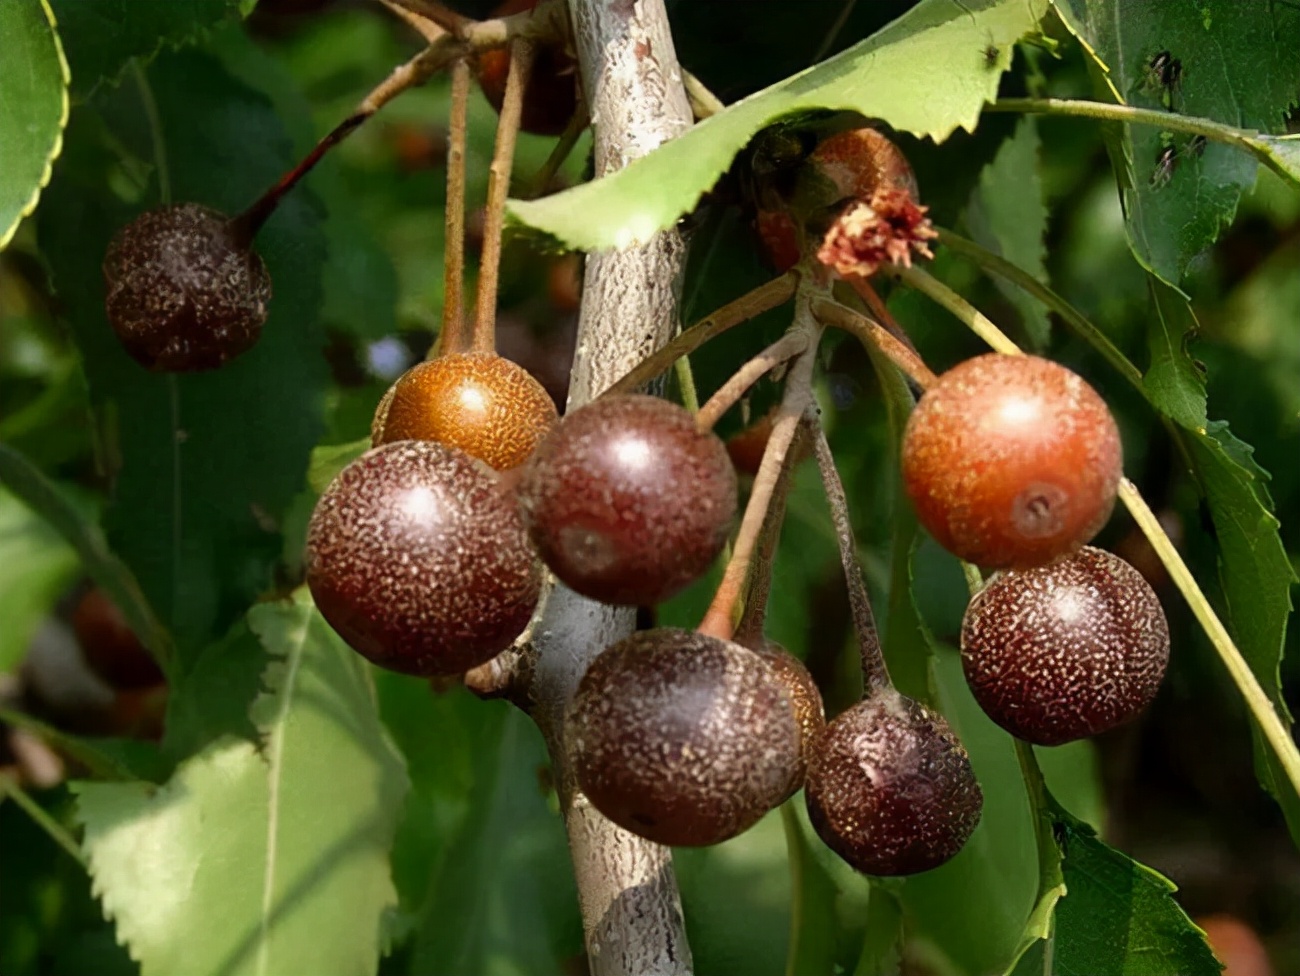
{"x":806,"y":700}
{"x":1067,"y":650}
{"x":487,"y":406}
{"x":109,"y":646}
{"x":627,"y":500}
{"x":419,"y":560}
{"x":183,"y":293}
{"x":890,"y":788}
{"x":550,"y":97}
{"x":681,"y":738}
{"x":1011,"y":461}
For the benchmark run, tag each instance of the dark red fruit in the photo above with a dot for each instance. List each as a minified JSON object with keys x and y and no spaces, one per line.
{"x":628,"y":501}
{"x":551,"y":96}
{"x":1011,"y":461}
{"x":184,"y":293}
{"x":805,"y":698}
{"x":419,"y":560}
{"x":682,"y":739}
{"x":890,"y":788}
{"x":109,"y":646}
{"x":487,"y":406}
{"x":1067,"y":650}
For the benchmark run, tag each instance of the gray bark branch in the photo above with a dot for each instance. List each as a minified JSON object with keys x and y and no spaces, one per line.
{"x":632,"y":914}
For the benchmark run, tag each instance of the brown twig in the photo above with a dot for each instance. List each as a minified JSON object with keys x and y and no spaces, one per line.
{"x":875,"y":675}
{"x":421,"y":25}
{"x":435,"y":13}
{"x":776,"y":292}
{"x":871,"y":332}
{"x":503,"y":157}
{"x":793,"y":343}
{"x":454,"y":337}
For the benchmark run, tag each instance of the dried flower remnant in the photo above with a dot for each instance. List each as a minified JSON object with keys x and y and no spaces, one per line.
{"x":887,"y":229}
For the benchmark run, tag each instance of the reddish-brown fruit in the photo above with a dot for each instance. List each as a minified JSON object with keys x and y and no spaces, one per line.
{"x":858,"y":162}
{"x":419,"y":559}
{"x":747,"y":448}
{"x":890,"y":788}
{"x":682,"y":739}
{"x":1236,"y":945}
{"x":628,"y":501}
{"x":487,"y":406}
{"x":1065,"y":651}
{"x":806,"y":700}
{"x":780,"y":236}
{"x":551,"y":96}
{"x":109,"y":646}
{"x":564,"y":283}
{"x":183,"y":293}
{"x":1011,"y":461}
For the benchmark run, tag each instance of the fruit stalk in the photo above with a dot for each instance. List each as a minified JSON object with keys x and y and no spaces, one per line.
{"x":789,"y":346}
{"x":453,"y":306}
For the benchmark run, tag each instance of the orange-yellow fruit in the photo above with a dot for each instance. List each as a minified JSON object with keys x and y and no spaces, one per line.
{"x":487,"y":406}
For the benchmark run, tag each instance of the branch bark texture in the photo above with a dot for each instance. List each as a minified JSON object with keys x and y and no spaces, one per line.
{"x":631,"y":909}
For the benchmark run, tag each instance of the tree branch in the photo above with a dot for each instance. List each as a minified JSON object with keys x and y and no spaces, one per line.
{"x":631,"y":910}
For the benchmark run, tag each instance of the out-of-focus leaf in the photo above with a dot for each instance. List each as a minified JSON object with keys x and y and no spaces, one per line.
{"x":1238,"y":65}
{"x":813,"y":893}
{"x":33,"y":108}
{"x":101,"y":36}
{"x":1173,"y":381}
{"x":281,"y":853}
{"x":878,"y":78}
{"x":1119,"y":917}
{"x":1007,"y":216}
{"x":36,"y":567}
{"x":209,"y":462}
{"x":329,"y":459}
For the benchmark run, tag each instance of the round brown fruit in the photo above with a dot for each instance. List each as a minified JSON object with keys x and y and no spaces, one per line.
{"x":681,"y":738}
{"x":109,"y":646}
{"x":805,"y":698}
{"x":551,"y":95}
{"x":487,"y":406}
{"x":1011,"y":461}
{"x":628,"y":501}
{"x":890,"y":788}
{"x":183,"y":293}
{"x":1065,"y":651}
{"x":419,"y":560}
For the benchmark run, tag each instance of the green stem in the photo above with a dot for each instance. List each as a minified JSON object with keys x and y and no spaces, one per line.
{"x":57,"y":832}
{"x":686,"y":383}
{"x":149,"y":106}
{"x":964,"y":311}
{"x":1041,"y":808}
{"x":101,"y":765}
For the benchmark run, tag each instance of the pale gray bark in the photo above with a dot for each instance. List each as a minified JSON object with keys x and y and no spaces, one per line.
{"x":631,"y":910}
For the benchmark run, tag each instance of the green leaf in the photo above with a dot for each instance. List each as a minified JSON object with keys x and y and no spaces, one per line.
{"x":209,"y":462}
{"x":1006,"y":215}
{"x":1119,"y":916}
{"x":261,"y":861}
{"x":1237,"y":67}
{"x":212,"y":699}
{"x":1283,"y":152}
{"x":33,"y":108}
{"x":1173,"y":381}
{"x":69,"y":520}
{"x":878,"y":78}
{"x":328,"y":460}
{"x":101,"y":36}
{"x":36,"y":568}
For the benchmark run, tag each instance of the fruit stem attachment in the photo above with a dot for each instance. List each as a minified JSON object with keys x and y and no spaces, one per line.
{"x":503,"y":155}
{"x":776,"y":292}
{"x":793,"y":343}
{"x":719,"y":619}
{"x":454,"y":339}
{"x":870,"y":332}
{"x":875,"y":676}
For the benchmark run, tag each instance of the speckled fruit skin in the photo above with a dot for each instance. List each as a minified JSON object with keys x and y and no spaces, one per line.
{"x":487,"y":406}
{"x":551,"y":96}
{"x":805,"y":699}
{"x":1065,"y":651}
{"x":683,"y":739}
{"x":1011,"y":461}
{"x":182,"y":293}
{"x":419,"y":560}
{"x":890,"y":788}
{"x":628,"y":501}
{"x":857,"y":162}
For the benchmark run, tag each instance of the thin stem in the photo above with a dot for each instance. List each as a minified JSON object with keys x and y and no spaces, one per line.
{"x":703,"y":102}
{"x":1109,"y":112}
{"x":541,"y":181}
{"x":720,"y":619}
{"x":875,"y":675}
{"x":1045,"y":841}
{"x":686,"y":383}
{"x":872,"y":333}
{"x":425,"y":27}
{"x":863,"y":289}
{"x":437,"y":14}
{"x":793,"y":343}
{"x":940,"y":293}
{"x":56,"y":831}
{"x":503,"y":155}
{"x":1270,"y":723}
{"x":999,"y":265}
{"x":101,"y":765}
{"x":157,"y":145}
{"x":776,"y":292}
{"x":454,"y":327}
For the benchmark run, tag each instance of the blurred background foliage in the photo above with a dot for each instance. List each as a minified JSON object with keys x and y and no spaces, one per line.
{"x":479,"y":861}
